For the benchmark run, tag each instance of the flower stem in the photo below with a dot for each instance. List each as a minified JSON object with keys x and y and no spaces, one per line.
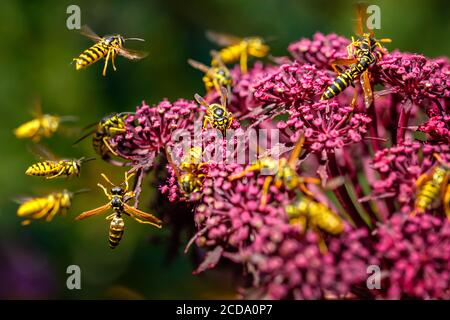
{"x":403,"y":119}
{"x":342,"y":194}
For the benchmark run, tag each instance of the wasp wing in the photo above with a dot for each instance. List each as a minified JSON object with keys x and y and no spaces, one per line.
{"x":42,"y":152}
{"x":141,"y":216}
{"x":93,"y":212}
{"x":198,"y":65}
{"x":132,"y":54}
{"x":222,"y":39}
{"x":87,"y":32}
{"x":295,"y":153}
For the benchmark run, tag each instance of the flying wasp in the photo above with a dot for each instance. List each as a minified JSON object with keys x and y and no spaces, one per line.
{"x":190,"y":180}
{"x":285,"y":172}
{"x":46,"y":207}
{"x":215,"y":76}
{"x":217,"y":115}
{"x":107,"y":47}
{"x":237,"y":49}
{"x":42,"y":126}
{"x":52,"y":167}
{"x":363,"y":51}
{"x":118,"y":197}
{"x":105,"y":130}
{"x":433,"y":187}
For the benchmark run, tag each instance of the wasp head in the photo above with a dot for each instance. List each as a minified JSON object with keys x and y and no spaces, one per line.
{"x":116,"y":191}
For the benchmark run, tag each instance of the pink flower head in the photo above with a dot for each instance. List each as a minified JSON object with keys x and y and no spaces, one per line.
{"x":414,"y":77}
{"x":290,"y":265}
{"x":438,"y":127}
{"x":229,"y":212}
{"x":151,"y":129}
{"x":321,"y":51}
{"x":326,"y":125}
{"x":416,"y":253}
{"x":292,"y":85}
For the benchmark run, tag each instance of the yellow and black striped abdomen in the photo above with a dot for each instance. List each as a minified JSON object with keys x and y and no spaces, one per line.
{"x":45,"y":168}
{"x":427,"y":195}
{"x":339,"y":84}
{"x":116,"y":231}
{"x":229,"y":54}
{"x":32,"y":206}
{"x":91,"y":55}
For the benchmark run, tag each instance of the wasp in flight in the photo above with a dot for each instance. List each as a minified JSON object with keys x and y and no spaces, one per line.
{"x":215,"y":76}
{"x":107,"y":47}
{"x":217,"y":115}
{"x":237,"y":49}
{"x":105,"y":130}
{"x":46,"y":207}
{"x":193,"y":170}
{"x":118,"y":197}
{"x":433,"y":188}
{"x":285,"y":172}
{"x":42,"y":126}
{"x":363,"y":51}
{"x":53,"y":167}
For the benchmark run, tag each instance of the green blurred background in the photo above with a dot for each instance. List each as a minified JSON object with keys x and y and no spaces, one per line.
{"x":37,"y":49}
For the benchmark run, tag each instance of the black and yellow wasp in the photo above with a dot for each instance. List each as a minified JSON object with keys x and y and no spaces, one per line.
{"x":280,"y":171}
{"x":363,"y":51}
{"x":217,"y":115}
{"x":118,"y":197}
{"x":46,"y":207}
{"x":105,"y":130}
{"x":41,"y":126}
{"x":215,"y":76}
{"x":237,"y":49}
{"x":433,"y":188}
{"x":52,"y":167}
{"x":107,"y":47}
{"x":190,"y":180}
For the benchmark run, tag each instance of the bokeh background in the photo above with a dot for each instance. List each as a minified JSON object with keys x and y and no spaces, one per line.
{"x":37,"y":49}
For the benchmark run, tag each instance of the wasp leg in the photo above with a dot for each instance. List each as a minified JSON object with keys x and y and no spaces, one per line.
{"x":265,"y":190}
{"x":106,"y":63}
{"x":127,"y":177}
{"x":105,"y":141}
{"x":53,"y":212}
{"x":104,"y":190}
{"x":250,"y":168}
{"x":113,"y":60}
{"x":206,"y":120}
{"x":217,"y":87}
{"x":111,"y":216}
{"x":56,"y":175}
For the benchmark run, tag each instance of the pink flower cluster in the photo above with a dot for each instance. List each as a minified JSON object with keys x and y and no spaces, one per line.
{"x":373,"y":150}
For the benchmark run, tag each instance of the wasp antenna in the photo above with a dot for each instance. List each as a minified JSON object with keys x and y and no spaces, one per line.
{"x":137,"y":39}
{"x":83,"y":159}
{"x":82,"y":191}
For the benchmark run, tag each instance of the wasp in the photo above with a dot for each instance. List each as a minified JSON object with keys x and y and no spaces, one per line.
{"x":105,"y":130}
{"x":192,"y":171}
{"x":237,"y":49}
{"x":362,"y":53}
{"x":42,"y":126}
{"x":217,"y":115}
{"x":215,"y":76}
{"x":285,"y":172}
{"x":107,"y":47}
{"x":46,"y":207}
{"x":54,"y":167}
{"x":433,"y":186}
{"x":118,"y":197}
